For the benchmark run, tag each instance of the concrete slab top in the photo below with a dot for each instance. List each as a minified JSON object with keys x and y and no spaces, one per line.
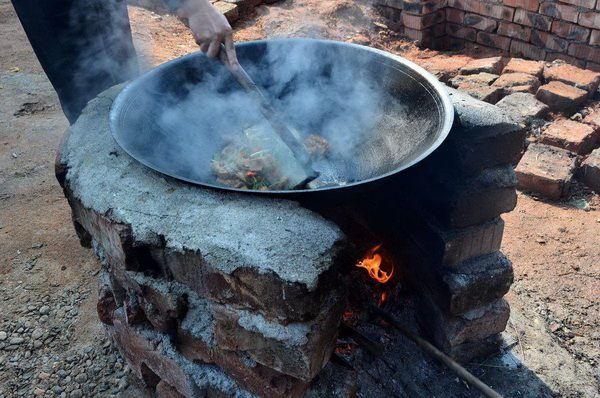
{"x":229,"y":230}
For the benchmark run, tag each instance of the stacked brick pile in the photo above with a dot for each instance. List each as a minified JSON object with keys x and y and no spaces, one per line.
{"x":444,"y":216}
{"x":205,"y":294}
{"x":542,"y":30}
{"x":564,"y":148}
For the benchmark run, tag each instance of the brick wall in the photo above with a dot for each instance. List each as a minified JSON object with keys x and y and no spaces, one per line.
{"x":537,"y":29}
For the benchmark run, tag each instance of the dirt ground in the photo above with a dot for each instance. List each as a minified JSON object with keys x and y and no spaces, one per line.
{"x":554,"y":331}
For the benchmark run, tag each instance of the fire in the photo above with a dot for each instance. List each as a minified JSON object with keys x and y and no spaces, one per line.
{"x":372,"y":263}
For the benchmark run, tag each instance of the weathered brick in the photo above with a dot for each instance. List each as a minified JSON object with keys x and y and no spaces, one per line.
{"x":461,"y":32}
{"x":586,"y":52}
{"x":546,"y":170}
{"x":480,"y":22}
{"x":473,"y":283}
{"x":517,"y":65}
{"x":492,"y":65}
{"x":517,"y":83}
{"x":443,"y":67}
{"x":487,"y":9}
{"x":481,"y":92}
{"x":393,"y":17}
{"x":581,"y":3}
{"x":589,"y":172}
{"x":535,"y":20}
{"x":570,"y":31}
{"x":590,"y":19}
{"x":196,"y":344}
{"x":483,"y":78}
{"x":525,"y":106}
{"x":593,"y":118}
{"x":551,"y":56}
{"x":421,"y":22}
{"x":595,"y":38}
{"x":514,"y":30}
{"x":454,"y":16}
{"x":475,"y":200}
{"x":546,"y":40}
{"x":559,"y":11}
{"x":452,"y":330}
{"x":572,"y":75}
{"x":526,"y":50}
{"x":493,"y":40}
{"x":592,"y":66}
{"x":571,"y":135}
{"x":530,"y":5}
{"x":421,"y":6}
{"x":164,"y":390}
{"x":561,"y":97}
{"x":485,"y":137}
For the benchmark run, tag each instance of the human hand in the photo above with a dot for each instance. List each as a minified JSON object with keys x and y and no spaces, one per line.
{"x":210,"y":28}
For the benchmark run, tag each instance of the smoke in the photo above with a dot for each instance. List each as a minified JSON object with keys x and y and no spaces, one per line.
{"x":317,"y":90}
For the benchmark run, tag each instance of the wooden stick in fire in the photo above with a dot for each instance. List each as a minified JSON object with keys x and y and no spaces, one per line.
{"x":433,"y":351}
{"x":272,"y":116}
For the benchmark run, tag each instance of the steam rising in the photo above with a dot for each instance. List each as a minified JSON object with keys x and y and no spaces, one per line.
{"x":316,"y":91}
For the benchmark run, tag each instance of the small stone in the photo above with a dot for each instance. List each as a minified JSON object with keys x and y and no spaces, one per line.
{"x":44,"y":310}
{"x":15,"y":340}
{"x":593,"y":118}
{"x":81,"y":378}
{"x":37,"y":344}
{"x":43,"y":376}
{"x":76,"y":394}
{"x":37,"y":333}
{"x":38,"y":392}
{"x":3,"y":335}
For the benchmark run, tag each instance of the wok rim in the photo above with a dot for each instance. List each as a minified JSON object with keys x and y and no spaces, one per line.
{"x":439,"y":90}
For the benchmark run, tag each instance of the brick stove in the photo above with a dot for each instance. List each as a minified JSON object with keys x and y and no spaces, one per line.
{"x":213,"y":294}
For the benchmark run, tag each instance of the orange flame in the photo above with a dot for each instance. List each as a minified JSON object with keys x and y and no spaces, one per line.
{"x":372,"y":263}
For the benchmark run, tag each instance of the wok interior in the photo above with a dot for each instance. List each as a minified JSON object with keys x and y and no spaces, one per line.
{"x":378,"y":114}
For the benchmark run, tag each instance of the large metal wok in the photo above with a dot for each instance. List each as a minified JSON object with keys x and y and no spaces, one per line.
{"x":164,"y":120}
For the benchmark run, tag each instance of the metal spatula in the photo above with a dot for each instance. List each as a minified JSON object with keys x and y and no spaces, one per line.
{"x":288,"y":136}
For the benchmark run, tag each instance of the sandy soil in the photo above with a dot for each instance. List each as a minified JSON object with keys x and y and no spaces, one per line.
{"x":555,"y":247}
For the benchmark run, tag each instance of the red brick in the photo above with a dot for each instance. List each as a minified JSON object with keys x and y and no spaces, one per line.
{"x":484,"y":79}
{"x":421,"y":6}
{"x":593,"y":118}
{"x":595,"y":38}
{"x":532,"y":19}
{"x":461,"y":32}
{"x":489,"y":65}
{"x":589,"y":172}
{"x":517,"y":65}
{"x":546,"y":170}
{"x":479,"y":7}
{"x":526,"y":50}
{"x":517,"y":83}
{"x":482,"y":92}
{"x":530,"y":5}
{"x":455,"y":16}
{"x":493,"y":40}
{"x":561,"y":97}
{"x":564,"y":57}
{"x":571,"y":135}
{"x":515,"y":31}
{"x":480,"y":23}
{"x":585,"y":52}
{"x":559,"y":11}
{"x":574,"y":76}
{"x":443,"y":67}
{"x":593,"y":66}
{"x":589,"y":19}
{"x":551,"y":42}
{"x":570,"y":31}
{"x":581,"y":3}
{"x":420,"y":22}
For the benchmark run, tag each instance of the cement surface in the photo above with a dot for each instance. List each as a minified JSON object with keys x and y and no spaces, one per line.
{"x":229,"y":230}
